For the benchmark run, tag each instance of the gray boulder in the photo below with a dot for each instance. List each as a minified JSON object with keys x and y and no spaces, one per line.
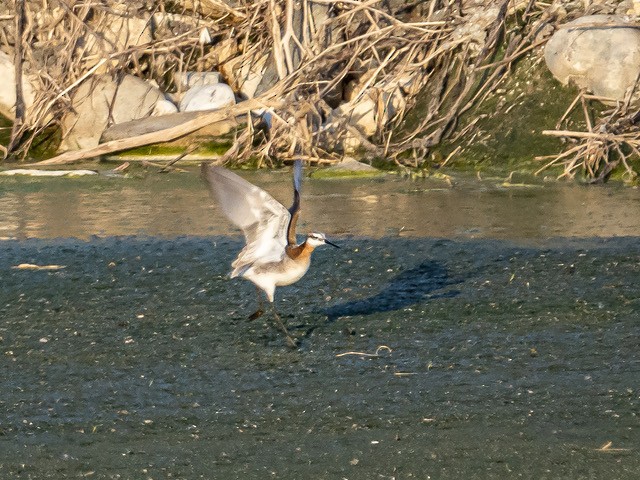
{"x":101,"y":102}
{"x":597,"y":53}
{"x":207,"y":97}
{"x":186,"y":80}
{"x":8,"y":88}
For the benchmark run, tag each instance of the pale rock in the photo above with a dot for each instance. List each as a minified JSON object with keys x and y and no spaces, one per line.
{"x":207,"y":97}
{"x":361,"y":114}
{"x":370,"y":111}
{"x":119,"y":32}
{"x":216,"y":9}
{"x":602,"y":59}
{"x":186,"y":80}
{"x":50,"y":20}
{"x":100,"y":102}
{"x":473,"y":31}
{"x":165,"y":23}
{"x":349,"y":143}
{"x":8,"y":88}
{"x":163,"y":107}
{"x":350,"y":164}
{"x":223,"y":50}
{"x":245,"y":74}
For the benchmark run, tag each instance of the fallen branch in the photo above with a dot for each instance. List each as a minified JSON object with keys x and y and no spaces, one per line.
{"x":160,"y":136}
{"x":598,"y":136}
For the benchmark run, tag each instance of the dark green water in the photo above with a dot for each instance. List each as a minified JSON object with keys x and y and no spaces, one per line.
{"x":511,"y":316}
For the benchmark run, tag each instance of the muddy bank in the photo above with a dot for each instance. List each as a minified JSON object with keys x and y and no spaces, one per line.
{"x":136,"y":361}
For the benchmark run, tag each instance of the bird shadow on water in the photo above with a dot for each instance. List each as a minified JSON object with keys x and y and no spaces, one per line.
{"x":415,"y":285}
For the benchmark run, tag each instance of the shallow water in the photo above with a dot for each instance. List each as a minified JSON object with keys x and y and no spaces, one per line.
{"x":175,"y":205}
{"x":504,"y":319}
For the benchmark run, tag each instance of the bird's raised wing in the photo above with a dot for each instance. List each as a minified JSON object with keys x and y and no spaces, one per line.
{"x":294,"y":211}
{"x":262,"y":219}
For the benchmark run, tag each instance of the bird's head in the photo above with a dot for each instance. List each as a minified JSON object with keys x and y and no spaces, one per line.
{"x":317,"y":239}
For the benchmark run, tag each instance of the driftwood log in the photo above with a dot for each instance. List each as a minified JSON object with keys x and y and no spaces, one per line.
{"x":200,"y":120}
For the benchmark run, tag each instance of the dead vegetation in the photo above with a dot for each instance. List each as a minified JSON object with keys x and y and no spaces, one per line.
{"x":319,"y":62}
{"x":609,"y":141}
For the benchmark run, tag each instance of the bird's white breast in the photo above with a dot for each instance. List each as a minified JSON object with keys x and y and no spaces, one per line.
{"x":284,"y":272}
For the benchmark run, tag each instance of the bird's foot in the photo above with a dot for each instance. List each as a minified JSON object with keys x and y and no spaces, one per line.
{"x":257,"y":314}
{"x":292,"y":342}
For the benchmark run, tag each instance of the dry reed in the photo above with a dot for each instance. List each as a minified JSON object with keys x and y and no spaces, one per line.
{"x":312,"y":54}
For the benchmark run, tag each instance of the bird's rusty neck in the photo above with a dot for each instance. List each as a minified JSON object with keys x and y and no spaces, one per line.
{"x":299,"y":252}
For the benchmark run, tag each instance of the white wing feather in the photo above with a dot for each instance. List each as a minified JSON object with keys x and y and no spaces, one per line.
{"x":262,"y":219}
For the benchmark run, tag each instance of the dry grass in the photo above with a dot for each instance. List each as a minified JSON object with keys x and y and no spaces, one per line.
{"x":448,"y":56}
{"x":608,"y":142}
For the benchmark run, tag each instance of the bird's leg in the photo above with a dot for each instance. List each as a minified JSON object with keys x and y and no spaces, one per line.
{"x":260,"y":311}
{"x":290,"y":341}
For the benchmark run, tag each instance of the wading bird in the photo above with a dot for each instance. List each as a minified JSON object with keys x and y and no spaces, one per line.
{"x":271,"y":257}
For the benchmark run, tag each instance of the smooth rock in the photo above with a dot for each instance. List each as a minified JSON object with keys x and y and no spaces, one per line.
{"x":163,"y":107}
{"x":207,"y":97}
{"x":120,"y":31}
{"x":101,"y":102}
{"x":597,"y":53}
{"x":473,"y":32}
{"x":245,"y":76}
{"x":186,"y":80}
{"x":8,"y":88}
{"x":369,"y":112}
{"x":350,"y":164}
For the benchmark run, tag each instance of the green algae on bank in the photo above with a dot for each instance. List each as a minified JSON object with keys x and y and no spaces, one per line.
{"x":324,"y":174}
{"x":161,"y":152}
{"x":504,"y":133}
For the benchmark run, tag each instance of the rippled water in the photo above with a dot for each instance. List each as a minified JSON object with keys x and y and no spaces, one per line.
{"x":177,"y":204}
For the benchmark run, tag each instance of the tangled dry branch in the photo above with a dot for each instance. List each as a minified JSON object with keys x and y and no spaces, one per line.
{"x":612,"y":140}
{"x":322,"y":63}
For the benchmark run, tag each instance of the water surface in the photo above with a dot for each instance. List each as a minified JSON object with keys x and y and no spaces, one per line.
{"x":468,"y":332}
{"x":177,"y":204}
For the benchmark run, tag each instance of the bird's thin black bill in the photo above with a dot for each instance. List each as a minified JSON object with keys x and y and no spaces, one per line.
{"x":332,"y":244}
